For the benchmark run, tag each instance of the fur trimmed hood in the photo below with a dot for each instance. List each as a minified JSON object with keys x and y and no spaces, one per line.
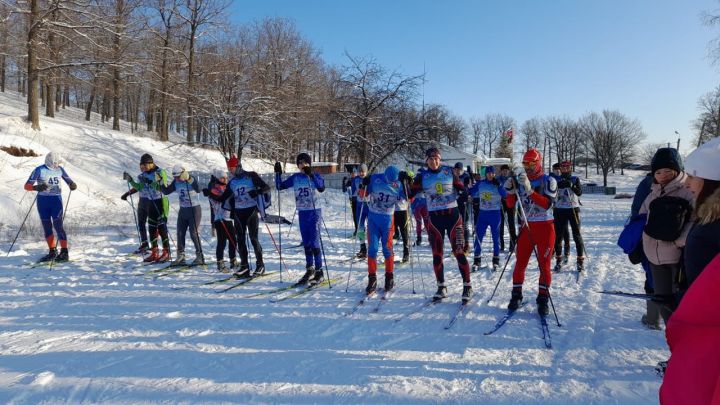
{"x":709,"y":211}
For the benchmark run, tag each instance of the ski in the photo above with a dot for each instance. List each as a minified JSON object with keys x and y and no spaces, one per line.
{"x":292,"y":246}
{"x":500,"y":322}
{"x":366,"y":297}
{"x":49,"y":263}
{"x":170,"y":270}
{"x":545,"y":331}
{"x":383,"y":299}
{"x":299,"y":292}
{"x":239,"y":283}
{"x":627,"y":294}
{"x":459,"y":311}
{"x":427,"y":304}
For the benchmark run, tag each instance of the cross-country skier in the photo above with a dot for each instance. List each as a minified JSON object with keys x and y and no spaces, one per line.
{"x":420,"y":212}
{"x":462,"y":200}
{"x":537,"y":192}
{"x":383,"y":191}
{"x":489,"y":193}
{"x":567,"y":210}
{"x":224,"y":227}
{"x":189,"y":215}
{"x":508,"y":214}
{"x":361,"y":209}
{"x":562,"y":237}
{"x":441,"y":186}
{"x":241,"y":197}
{"x":49,"y":203}
{"x":402,"y":223}
{"x":142,"y":211}
{"x":306,"y":185}
{"x":148,"y":185}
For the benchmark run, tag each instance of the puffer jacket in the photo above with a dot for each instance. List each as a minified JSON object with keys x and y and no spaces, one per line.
{"x":693,"y":333}
{"x":660,"y":252}
{"x":703,"y":241}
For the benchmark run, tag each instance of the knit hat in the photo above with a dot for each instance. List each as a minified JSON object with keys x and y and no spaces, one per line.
{"x":145,"y":159}
{"x":666,"y":158}
{"x":232,"y":163}
{"x":391,"y":174}
{"x":489,"y":169}
{"x":504,"y":167}
{"x":303,"y":157}
{"x":432,"y":152}
{"x":53,"y":160}
{"x":363,"y":168}
{"x":219,"y":173}
{"x":534,"y":155}
{"x":703,"y":161}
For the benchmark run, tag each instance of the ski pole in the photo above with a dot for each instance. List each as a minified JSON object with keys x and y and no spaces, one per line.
{"x":292,"y":222}
{"x":195,"y":222}
{"x":347,"y":285}
{"x":501,"y":274}
{"x":280,"y":231}
{"x":409,"y":222}
{"x":21,"y":226}
{"x":132,"y":205}
{"x":319,"y":233}
{"x":327,"y":232}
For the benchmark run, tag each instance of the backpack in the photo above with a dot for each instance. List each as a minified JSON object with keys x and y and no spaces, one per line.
{"x":667,"y":217}
{"x":630,"y":239}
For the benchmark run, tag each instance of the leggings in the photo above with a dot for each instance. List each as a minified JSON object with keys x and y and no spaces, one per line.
{"x":189,"y":217}
{"x":157,"y":222}
{"x":540,"y":238}
{"x":401,"y":225}
{"x":225,"y":231}
{"x":442,"y":222}
{"x":247,"y":224}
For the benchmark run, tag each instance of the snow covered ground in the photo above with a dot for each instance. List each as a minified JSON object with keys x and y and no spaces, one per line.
{"x":100,"y":330}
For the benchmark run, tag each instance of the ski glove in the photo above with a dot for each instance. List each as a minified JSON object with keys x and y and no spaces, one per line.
{"x":205,"y":192}
{"x":125,"y":196}
{"x":403,"y":177}
{"x":278,"y":168}
{"x":40,"y":187}
{"x":525,"y":182}
{"x":185,"y":176}
{"x":307,"y":170}
{"x":564,"y":183}
{"x":127,"y":176}
{"x":72,"y":186}
{"x":510,"y":185}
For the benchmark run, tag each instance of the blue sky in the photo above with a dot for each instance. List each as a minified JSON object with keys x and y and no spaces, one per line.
{"x":646,"y":58}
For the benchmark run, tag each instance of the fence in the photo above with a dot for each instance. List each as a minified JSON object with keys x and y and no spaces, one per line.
{"x":598,"y":190}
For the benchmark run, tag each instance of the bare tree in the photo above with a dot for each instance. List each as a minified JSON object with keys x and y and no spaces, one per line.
{"x":532,"y":136}
{"x":708,"y":123}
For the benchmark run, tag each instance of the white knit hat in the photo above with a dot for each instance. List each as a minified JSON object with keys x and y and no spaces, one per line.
{"x":53,"y":159}
{"x":704,"y":162}
{"x":220,"y":173}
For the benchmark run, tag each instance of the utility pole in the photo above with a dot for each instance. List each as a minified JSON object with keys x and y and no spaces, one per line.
{"x":678,"y":142}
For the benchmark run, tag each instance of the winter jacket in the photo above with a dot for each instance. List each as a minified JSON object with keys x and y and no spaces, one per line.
{"x":703,"y":241}
{"x":693,"y":333}
{"x":660,"y":252}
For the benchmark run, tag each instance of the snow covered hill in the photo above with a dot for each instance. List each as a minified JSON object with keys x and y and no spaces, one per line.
{"x":100,"y":329}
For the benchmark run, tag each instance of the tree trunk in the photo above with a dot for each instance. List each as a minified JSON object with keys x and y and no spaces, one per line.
{"x":190,"y":89}
{"x":58,"y":96}
{"x":150,"y":110}
{"x":33,"y":78}
{"x":2,"y":73}
{"x":49,"y":100}
{"x":93,"y":91}
{"x":66,"y":96}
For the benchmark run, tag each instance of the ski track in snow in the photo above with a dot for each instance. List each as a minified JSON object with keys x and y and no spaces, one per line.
{"x":98,"y":330}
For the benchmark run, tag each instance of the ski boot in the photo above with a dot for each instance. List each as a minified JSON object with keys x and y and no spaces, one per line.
{"x":234,"y":263}
{"x":467,"y":293}
{"x":309,"y":273}
{"x":52,"y":254}
{"x":542,"y":305}
{"x":495,"y":263}
{"x":242,"y":272}
{"x":515,"y":300}
{"x":372,"y":284}
{"x":164,"y":256}
{"x":441,"y":293}
{"x":558,"y":264}
{"x":199,"y":260}
{"x":649,"y":325}
{"x":142,"y":249}
{"x":179,"y":260}
{"x":661,"y":367}
{"x":319,"y":277}
{"x":566,"y":259}
{"x":580,"y":265}
{"x":63,"y":256}
{"x":259,"y":269}
{"x":221,"y":267}
{"x":153,"y":256}
{"x":418,"y":241}
{"x":389,"y":281}
{"x":406,"y":255}
{"x":476,"y":264}
{"x":362,"y":253}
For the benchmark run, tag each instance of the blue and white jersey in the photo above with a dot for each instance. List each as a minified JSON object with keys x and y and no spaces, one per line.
{"x":187,"y":193}
{"x":488,"y":194}
{"x":438,"y":189}
{"x":146,"y":190}
{"x":240,"y":187}
{"x":305,"y":189}
{"x":383,"y":196}
{"x":355,"y":183}
{"x":566,"y":197}
{"x":51,"y":177}
{"x":544,"y":185}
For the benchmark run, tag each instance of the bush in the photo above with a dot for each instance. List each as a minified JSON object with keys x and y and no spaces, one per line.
{"x":18,"y":152}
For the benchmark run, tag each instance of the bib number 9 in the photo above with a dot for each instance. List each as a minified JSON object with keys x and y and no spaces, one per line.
{"x":439,"y":188}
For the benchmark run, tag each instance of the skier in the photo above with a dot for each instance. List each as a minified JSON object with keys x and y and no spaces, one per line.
{"x":49,"y":204}
{"x":383,"y":192}
{"x":508,"y":214}
{"x":143,"y":209}
{"x":240,"y":197}
{"x":536,"y":192}
{"x":462,"y":202}
{"x":420,"y":212}
{"x":441,"y":186}
{"x":567,"y":210}
{"x":224,"y":227}
{"x":149,"y":184}
{"x":489,"y":193}
{"x":561,"y":235}
{"x":304,"y":185}
{"x":361,"y":208}
{"x":402,"y":223}
{"x":189,"y":215}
